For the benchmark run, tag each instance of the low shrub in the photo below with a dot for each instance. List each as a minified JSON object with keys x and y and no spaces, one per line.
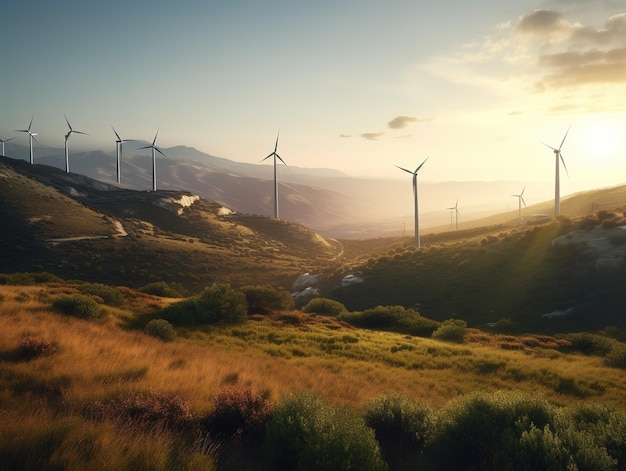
{"x":218,"y":303}
{"x":395,"y":318}
{"x":238,"y":414}
{"x":161,"y":329}
{"x":78,"y":305}
{"x":265,"y":299}
{"x":402,"y":428}
{"x":589,"y":344}
{"x":30,"y":347}
{"x":27,"y":278}
{"x":616,"y":358}
{"x":151,"y":411}
{"x":164,"y":289}
{"x":110,"y":295}
{"x":308,"y":434}
{"x":324,"y":307}
{"x":452,"y":330}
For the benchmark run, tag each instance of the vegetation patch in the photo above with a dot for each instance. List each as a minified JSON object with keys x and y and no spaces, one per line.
{"x":78,"y":305}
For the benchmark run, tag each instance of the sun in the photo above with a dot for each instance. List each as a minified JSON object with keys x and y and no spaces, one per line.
{"x":602,"y":140}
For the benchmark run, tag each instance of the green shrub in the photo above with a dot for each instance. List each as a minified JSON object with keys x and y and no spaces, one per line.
{"x":164,"y":289}
{"x":324,"y":307}
{"x":402,"y":428}
{"x":396,"y":318}
{"x":482,"y":431}
{"x":78,"y":305}
{"x":589,"y":344}
{"x":238,"y":414}
{"x":218,"y":303}
{"x":27,"y":278}
{"x":161,"y":329}
{"x":265,"y":299}
{"x":452,"y":330}
{"x":110,"y":295}
{"x":307,"y":434}
{"x":616,"y":358}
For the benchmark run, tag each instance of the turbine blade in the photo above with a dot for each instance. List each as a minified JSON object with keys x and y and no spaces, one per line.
{"x":80,"y":132}
{"x":564,"y":166}
{"x":68,"y":122}
{"x":155,"y":136}
{"x":564,"y":137}
{"x":34,"y":138}
{"x":523,"y":202}
{"x":116,"y":134}
{"x":276,"y":145}
{"x":145,"y":147}
{"x":522,"y":193}
{"x":31,"y":122}
{"x":548,"y":146}
{"x":280,"y":158}
{"x":271,"y":155}
{"x":420,"y":166}
{"x":404,"y":169}
{"x":159,"y":151}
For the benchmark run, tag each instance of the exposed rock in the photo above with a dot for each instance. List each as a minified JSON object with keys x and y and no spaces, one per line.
{"x":349,"y":280}
{"x":606,"y":246}
{"x":305,"y":281}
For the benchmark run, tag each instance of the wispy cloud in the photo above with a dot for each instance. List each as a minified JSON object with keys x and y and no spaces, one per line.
{"x":372,"y":136}
{"x":400,"y":122}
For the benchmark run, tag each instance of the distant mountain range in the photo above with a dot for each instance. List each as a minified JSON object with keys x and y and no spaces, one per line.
{"x":326,"y":200}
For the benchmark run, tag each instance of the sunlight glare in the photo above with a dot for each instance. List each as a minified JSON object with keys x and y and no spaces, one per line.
{"x":602,"y":140}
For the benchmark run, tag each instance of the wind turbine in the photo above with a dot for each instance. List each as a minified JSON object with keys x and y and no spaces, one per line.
{"x":3,"y":141}
{"x":31,"y":136}
{"x":455,"y":208}
{"x":154,"y":148}
{"x":67,"y":136}
{"x":417,"y":224}
{"x":118,"y":148}
{"x":520,"y":198}
{"x":276,"y":156}
{"x":557,"y":189}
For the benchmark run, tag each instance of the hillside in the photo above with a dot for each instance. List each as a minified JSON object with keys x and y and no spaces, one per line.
{"x":76,"y":227}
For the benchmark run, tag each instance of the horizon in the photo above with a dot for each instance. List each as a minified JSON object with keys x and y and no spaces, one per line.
{"x":478,"y":101}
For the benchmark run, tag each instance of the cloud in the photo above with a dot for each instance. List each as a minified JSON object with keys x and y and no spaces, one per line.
{"x":400,"y":122}
{"x":372,"y":136}
{"x":542,"y":23}
{"x":344,"y":135}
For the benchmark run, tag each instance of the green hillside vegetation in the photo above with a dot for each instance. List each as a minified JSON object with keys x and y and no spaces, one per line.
{"x":290,"y":390}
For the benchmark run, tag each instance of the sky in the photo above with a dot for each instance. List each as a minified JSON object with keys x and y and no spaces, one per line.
{"x":355,"y":85}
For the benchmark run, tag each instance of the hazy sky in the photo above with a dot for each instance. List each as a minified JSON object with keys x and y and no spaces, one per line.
{"x":356,"y":85}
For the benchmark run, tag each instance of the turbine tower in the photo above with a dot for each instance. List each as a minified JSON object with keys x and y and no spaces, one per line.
{"x":520,"y":198}
{"x":31,"y":136}
{"x":67,"y":136}
{"x":3,"y":141}
{"x":557,"y":190}
{"x":118,"y":148}
{"x":455,"y":208}
{"x":154,"y":149}
{"x":276,"y":156}
{"x":417,"y":224}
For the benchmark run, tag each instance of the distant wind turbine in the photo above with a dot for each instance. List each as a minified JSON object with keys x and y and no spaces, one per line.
{"x":118,"y":148}
{"x":154,"y":148}
{"x":31,"y":136}
{"x":276,"y":156}
{"x":520,"y":198}
{"x":455,"y":208}
{"x":557,"y":189}
{"x":67,"y":136}
{"x":3,"y":141}
{"x":417,"y":224}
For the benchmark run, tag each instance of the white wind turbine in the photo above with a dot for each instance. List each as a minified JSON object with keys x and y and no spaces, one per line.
{"x":417,"y":224}
{"x":67,"y":136}
{"x":118,"y":148}
{"x":455,"y":209}
{"x":31,"y":136}
{"x":3,"y":141}
{"x":520,"y":198}
{"x":557,"y":188}
{"x":276,"y":156}
{"x":154,"y":148}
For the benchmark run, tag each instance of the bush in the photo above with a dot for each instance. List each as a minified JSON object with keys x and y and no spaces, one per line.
{"x":616,"y":358}
{"x":396,"y":318}
{"x":305,"y":433}
{"x":110,"y":295}
{"x":482,"y":431}
{"x":163,"y":289}
{"x":589,"y":344}
{"x":77,"y":305}
{"x":240,"y":414}
{"x":30,"y":347}
{"x":324,"y":307}
{"x":402,"y":428}
{"x":161,"y":329}
{"x":265,"y":299}
{"x":452,"y":330}
{"x":218,"y":303}
{"x":27,"y":278}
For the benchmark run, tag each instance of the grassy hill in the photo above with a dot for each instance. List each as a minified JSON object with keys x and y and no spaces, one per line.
{"x":75,"y":393}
